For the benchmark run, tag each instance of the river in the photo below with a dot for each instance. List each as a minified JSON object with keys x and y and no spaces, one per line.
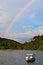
{"x":17,"y":57}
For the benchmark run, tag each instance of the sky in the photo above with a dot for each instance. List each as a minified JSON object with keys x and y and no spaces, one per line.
{"x":21,"y":20}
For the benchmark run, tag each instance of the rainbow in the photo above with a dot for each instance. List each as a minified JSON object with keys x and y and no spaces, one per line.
{"x":18,"y":15}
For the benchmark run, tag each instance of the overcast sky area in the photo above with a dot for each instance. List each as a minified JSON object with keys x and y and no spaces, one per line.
{"x":21,"y":20}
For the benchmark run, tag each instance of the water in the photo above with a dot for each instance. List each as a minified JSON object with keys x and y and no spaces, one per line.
{"x":17,"y":57}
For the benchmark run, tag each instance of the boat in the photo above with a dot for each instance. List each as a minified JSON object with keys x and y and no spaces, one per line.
{"x":30,"y":57}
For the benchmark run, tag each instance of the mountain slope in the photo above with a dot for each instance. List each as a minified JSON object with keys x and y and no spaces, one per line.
{"x":36,"y":43}
{"x":9,"y":44}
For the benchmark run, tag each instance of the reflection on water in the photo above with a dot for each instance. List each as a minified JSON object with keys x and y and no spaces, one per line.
{"x":30,"y":63}
{"x":27,"y":63}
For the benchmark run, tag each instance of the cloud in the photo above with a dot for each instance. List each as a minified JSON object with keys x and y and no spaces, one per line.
{"x":30,"y":20}
{"x":26,"y":35}
{"x":34,"y":9}
{"x":3,"y":16}
{"x":38,"y":31}
{"x":32,"y":15}
{"x":26,"y":28}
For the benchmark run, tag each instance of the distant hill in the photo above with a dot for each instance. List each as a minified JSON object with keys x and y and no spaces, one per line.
{"x":36,"y":43}
{"x":9,"y":44}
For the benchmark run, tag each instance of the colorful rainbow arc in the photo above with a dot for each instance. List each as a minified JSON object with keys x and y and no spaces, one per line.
{"x":18,"y":15}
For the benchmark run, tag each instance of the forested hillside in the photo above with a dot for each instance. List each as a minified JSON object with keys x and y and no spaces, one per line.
{"x":9,"y":44}
{"x":36,"y":43}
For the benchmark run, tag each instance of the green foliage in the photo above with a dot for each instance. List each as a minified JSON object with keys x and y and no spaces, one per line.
{"x":40,"y":47}
{"x":35,"y":44}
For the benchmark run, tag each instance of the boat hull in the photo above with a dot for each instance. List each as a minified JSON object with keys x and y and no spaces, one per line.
{"x":31,"y":60}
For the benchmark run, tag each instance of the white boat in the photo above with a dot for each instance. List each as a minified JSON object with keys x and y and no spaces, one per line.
{"x":30,"y":57}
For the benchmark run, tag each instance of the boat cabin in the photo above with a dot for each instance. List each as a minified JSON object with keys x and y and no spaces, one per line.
{"x":30,"y":57}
